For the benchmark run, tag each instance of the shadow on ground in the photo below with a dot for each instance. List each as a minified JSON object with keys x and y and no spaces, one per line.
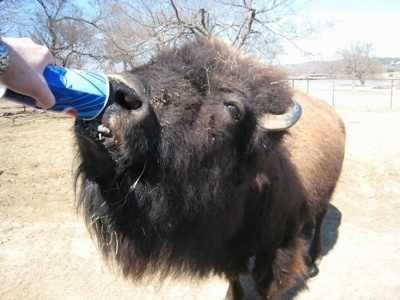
{"x":330,"y":233}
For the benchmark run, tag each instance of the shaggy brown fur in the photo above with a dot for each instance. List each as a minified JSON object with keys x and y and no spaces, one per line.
{"x":316,"y":146}
{"x":188,"y":182}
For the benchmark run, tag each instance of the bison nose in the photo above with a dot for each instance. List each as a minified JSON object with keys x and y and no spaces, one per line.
{"x":128,"y":99}
{"x":125,"y":95}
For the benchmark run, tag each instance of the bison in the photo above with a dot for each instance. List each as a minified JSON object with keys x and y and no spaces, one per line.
{"x":199,"y":166}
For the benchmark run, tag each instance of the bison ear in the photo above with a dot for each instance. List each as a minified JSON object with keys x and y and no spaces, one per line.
{"x":270,"y":122}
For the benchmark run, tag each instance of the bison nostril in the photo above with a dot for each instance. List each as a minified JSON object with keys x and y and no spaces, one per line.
{"x":128,"y":100}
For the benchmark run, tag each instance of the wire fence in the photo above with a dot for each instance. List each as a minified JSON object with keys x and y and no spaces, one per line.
{"x":374,"y":93}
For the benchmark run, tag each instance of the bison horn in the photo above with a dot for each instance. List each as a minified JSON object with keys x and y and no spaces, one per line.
{"x":270,"y":122}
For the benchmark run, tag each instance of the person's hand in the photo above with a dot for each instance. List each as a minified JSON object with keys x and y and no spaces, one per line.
{"x":25,"y":72}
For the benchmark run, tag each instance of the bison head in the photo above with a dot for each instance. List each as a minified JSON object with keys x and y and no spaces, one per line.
{"x":164,"y":169}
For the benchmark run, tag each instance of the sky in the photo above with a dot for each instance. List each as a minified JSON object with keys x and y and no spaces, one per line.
{"x":367,"y":21}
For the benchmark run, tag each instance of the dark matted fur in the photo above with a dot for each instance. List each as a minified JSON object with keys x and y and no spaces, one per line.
{"x":193,"y":184}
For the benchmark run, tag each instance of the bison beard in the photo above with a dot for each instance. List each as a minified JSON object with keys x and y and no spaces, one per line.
{"x":178,"y":176}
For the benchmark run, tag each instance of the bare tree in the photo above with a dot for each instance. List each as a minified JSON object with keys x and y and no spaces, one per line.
{"x":358,"y":61}
{"x":119,"y":34}
{"x":260,"y":27}
{"x":135,"y":29}
{"x":69,"y":30}
{"x":10,"y":22}
{"x":332,"y":67}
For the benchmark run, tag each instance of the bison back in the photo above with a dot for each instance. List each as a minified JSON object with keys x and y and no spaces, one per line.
{"x":316,"y":146}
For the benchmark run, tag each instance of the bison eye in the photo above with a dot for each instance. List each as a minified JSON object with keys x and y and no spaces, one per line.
{"x":234,"y":111}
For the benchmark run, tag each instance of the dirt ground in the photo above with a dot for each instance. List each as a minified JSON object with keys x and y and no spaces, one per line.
{"x":46,"y":252}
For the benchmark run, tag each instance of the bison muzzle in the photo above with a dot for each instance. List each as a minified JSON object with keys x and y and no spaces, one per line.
{"x":200,"y":165}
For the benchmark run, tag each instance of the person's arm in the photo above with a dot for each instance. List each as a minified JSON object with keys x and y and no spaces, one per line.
{"x":24,"y":74}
